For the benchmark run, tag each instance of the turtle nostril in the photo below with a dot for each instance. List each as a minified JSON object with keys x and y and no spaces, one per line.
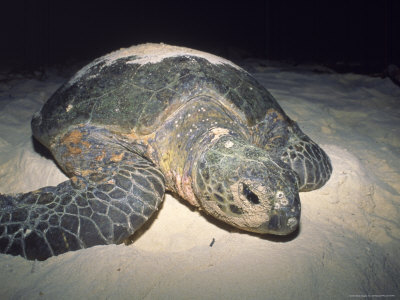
{"x":253,"y":198}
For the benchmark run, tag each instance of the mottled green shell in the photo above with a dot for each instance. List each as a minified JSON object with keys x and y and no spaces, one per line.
{"x":128,"y":95}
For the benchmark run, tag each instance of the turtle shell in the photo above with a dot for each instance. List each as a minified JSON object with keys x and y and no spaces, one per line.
{"x":136,"y":89}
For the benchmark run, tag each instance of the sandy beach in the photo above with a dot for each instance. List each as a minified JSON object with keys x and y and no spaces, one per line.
{"x":349,"y":239}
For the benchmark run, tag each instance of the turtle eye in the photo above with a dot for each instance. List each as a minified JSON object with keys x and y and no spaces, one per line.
{"x":253,"y":198}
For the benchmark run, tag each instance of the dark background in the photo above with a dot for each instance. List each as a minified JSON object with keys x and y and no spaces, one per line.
{"x":361,"y":36}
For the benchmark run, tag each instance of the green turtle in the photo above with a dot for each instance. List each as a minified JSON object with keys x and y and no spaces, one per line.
{"x":153,"y":118}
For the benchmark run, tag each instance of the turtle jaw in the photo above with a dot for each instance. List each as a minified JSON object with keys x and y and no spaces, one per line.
{"x":283,"y":221}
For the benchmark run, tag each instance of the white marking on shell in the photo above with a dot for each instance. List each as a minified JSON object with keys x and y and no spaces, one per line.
{"x":69,"y":107}
{"x":228,"y":144}
{"x":150,"y":53}
{"x":154,"y":53}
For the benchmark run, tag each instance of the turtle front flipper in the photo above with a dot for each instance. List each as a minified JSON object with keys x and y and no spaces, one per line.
{"x":284,"y":140}
{"x":104,"y":207}
{"x":307,"y":159}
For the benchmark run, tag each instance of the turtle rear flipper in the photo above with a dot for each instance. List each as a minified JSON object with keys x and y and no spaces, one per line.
{"x":104,"y":207}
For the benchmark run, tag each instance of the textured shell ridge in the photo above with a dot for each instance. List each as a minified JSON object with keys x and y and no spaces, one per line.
{"x":134,"y":91}
{"x":148,"y":53}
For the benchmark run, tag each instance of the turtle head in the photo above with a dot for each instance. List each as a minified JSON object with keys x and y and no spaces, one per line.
{"x":243,"y":186}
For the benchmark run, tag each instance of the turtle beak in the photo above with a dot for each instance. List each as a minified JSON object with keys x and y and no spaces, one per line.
{"x":284,"y":220}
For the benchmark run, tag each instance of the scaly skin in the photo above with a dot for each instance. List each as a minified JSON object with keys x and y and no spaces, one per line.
{"x":218,"y":169}
{"x":244,"y":186}
{"x":284,"y":140}
{"x":111,"y":193}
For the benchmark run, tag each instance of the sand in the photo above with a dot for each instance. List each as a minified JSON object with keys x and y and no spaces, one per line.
{"x":347,"y":247}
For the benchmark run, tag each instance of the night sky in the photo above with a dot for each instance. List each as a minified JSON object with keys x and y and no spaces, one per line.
{"x":360,"y":35}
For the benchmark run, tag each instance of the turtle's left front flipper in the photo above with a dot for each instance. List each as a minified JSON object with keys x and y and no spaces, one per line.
{"x":284,"y":140}
{"x":106,"y":206}
{"x":307,"y":159}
